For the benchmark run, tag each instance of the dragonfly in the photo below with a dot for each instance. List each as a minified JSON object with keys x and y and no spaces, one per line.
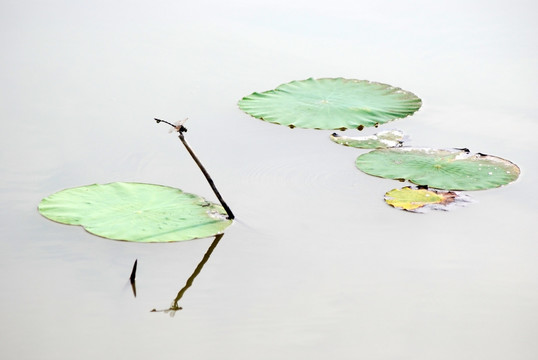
{"x":175,"y":127}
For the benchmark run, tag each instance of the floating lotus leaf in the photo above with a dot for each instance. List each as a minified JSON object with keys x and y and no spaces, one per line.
{"x":442,"y":169}
{"x":416,"y":200}
{"x":136,"y":212}
{"x":331,"y":103}
{"x":383,"y":139}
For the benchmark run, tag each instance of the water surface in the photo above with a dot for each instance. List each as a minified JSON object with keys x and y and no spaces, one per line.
{"x":317,"y":266}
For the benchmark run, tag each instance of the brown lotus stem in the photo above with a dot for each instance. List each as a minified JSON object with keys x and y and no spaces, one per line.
{"x":208,"y":178}
{"x":181,"y":129}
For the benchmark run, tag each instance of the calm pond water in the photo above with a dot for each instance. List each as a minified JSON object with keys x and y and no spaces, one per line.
{"x":317,"y":266}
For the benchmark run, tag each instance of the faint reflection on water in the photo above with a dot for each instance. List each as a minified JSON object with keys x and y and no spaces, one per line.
{"x":317,"y":265}
{"x":175,"y":307}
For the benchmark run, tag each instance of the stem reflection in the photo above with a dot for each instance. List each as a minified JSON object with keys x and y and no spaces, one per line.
{"x":175,"y":307}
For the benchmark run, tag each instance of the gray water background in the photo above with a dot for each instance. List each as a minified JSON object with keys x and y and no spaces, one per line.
{"x":317,"y":265}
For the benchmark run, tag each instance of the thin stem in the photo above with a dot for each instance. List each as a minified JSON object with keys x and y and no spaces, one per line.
{"x":181,"y":129}
{"x":208,"y":178}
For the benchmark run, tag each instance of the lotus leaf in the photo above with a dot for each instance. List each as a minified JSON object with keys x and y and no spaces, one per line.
{"x":136,"y":212}
{"x":442,"y":169}
{"x":383,"y":139}
{"x":331,"y":103}
{"x":411,"y":199}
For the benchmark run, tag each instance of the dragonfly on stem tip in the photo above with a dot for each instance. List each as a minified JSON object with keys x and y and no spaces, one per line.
{"x":176,"y":127}
{"x":181,"y":129}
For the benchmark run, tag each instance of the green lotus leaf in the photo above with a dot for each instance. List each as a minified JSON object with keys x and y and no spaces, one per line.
{"x":383,"y":139}
{"x":136,"y":212}
{"x":442,"y":169}
{"x":331,"y":103}
{"x":415,"y":200}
